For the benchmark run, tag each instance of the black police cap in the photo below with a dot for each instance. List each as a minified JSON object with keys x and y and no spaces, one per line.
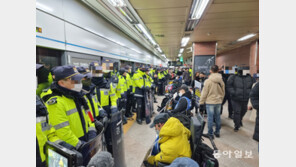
{"x":67,"y":71}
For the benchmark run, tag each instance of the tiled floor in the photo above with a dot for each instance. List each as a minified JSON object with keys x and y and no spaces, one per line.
{"x":139,"y":138}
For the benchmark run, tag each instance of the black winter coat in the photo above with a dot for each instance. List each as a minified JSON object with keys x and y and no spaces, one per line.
{"x":239,"y":87}
{"x":254,"y":96}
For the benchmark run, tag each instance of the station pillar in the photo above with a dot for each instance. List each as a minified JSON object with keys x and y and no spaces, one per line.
{"x":254,"y":58}
{"x":203,"y":56}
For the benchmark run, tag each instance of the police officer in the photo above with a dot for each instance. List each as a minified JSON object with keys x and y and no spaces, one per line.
{"x":129,"y":82}
{"x":153,"y":79}
{"x":133,"y":71}
{"x":161,"y":80}
{"x":139,"y":93}
{"x":190,"y":72}
{"x":44,"y":78}
{"x":106,"y":95}
{"x":123,"y":93}
{"x":88,"y":89}
{"x":68,"y":109}
{"x":44,"y":131}
{"x":103,"y":88}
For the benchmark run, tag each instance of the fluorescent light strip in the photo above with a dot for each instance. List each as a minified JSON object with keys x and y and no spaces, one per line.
{"x":246,"y":37}
{"x":140,"y":26}
{"x":184,"y":41}
{"x":179,"y":55}
{"x":136,"y":50}
{"x":117,"y":3}
{"x":199,"y":9}
{"x":160,"y":51}
{"x":123,"y":12}
{"x":181,"y":50}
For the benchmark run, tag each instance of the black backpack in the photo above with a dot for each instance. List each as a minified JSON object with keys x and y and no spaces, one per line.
{"x":184,"y":119}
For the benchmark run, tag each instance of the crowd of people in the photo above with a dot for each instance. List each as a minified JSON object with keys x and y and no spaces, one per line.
{"x":73,"y":104}
{"x":216,"y":89}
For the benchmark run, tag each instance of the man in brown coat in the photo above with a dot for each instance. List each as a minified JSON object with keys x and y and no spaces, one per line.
{"x":213,"y":94}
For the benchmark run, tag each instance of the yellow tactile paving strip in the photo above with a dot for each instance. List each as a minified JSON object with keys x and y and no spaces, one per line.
{"x":129,"y":124}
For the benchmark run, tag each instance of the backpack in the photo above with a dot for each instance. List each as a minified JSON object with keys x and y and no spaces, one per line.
{"x":184,"y":119}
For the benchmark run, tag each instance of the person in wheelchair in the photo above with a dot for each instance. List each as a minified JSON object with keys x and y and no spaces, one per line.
{"x":173,"y":140}
{"x":183,"y":101}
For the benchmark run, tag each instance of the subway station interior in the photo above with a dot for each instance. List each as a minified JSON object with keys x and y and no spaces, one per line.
{"x":165,"y":40}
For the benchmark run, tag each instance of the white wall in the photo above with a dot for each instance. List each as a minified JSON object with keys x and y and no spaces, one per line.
{"x":70,"y":25}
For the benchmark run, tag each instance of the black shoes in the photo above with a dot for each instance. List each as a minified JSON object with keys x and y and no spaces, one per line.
{"x":217,"y":135}
{"x":236,"y":129}
{"x":124,"y":121}
{"x":155,"y":101}
{"x":139,"y":121}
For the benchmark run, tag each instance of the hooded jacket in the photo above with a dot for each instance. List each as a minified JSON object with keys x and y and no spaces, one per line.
{"x":213,"y":91}
{"x":174,"y":142}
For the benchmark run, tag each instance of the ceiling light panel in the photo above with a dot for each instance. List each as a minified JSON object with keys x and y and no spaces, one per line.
{"x":117,"y":3}
{"x":184,"y":41}
{"x":181,"y":50}
{"x":246,"y":37}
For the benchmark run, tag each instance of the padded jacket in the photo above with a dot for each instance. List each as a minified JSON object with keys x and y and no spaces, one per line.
{"x":239,"y":87}
{"x":254,"y":96}
{"x":174,"y":142}
{"x":213,"y":91}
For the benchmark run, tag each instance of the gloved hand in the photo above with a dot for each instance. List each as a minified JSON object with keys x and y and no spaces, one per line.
{"x":102,"y":113}
{"x":80,"y":145}
{"x":91,"y":134}
{"x":99,"y":126}
{"x":202,"y":107}
{"x":105,"y":122}
{"x":114,"y":110}
{"x":122,"y":100}
{"x":66,"y":145}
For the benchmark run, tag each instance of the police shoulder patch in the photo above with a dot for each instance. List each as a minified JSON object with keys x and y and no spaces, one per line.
{"x":52,"y":101}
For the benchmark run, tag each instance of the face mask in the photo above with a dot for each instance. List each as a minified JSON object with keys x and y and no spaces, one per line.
{"x":97,"y":74}
{"x":86,"y":82}
{"x":180,"y":94}
{"x":77,"y":87}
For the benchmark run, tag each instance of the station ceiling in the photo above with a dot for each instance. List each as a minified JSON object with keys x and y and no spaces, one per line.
{"x":223,"y":21}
